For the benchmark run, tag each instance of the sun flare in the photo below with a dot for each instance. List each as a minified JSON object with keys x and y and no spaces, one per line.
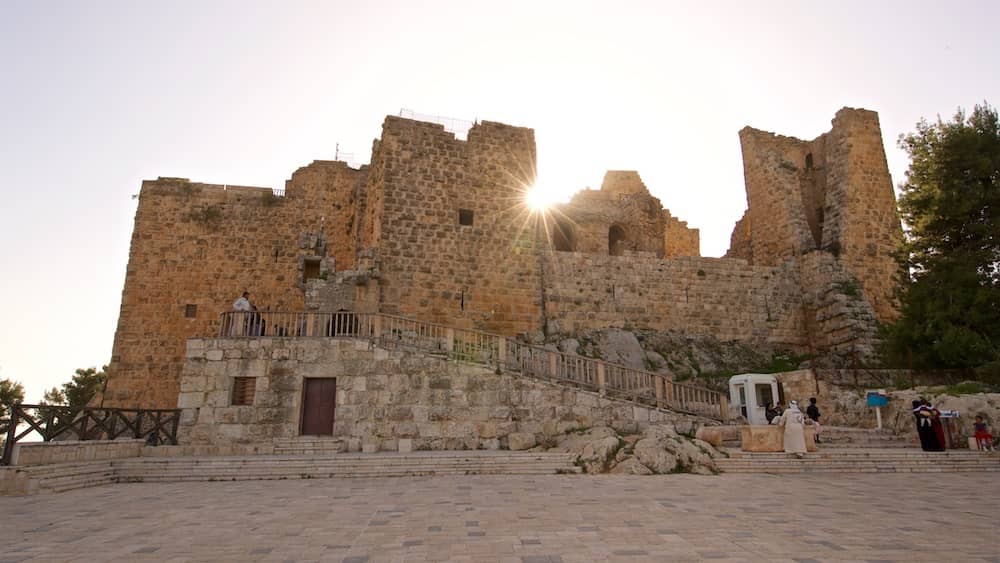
{"x":536,"y":199}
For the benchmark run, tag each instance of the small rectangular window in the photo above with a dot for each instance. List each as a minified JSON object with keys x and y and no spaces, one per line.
{"x":310,"y":269}
{"x":465,"y":216}
{"x":190,"y":311}
{"x":243,"y":389}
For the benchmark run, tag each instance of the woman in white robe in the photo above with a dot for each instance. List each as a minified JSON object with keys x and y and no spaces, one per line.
{"x":793,"y":421}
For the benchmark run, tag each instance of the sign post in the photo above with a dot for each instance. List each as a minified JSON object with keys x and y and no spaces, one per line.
{"x":877,"y":398}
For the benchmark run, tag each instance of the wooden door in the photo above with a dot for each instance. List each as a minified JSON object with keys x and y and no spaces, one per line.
{"x":318,"y":404}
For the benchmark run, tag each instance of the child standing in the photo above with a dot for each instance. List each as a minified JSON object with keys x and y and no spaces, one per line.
{"x":984,"y":440}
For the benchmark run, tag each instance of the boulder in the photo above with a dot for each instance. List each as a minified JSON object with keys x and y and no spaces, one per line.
{"x":652,"y":453}
{"x":622,"y":347}
{"x":663,"y":450}
{"x":569,"y":346}
{"x":595,"y":448}
{"x":630,"y":466}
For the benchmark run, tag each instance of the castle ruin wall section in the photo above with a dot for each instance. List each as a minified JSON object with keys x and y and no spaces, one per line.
{"x":679,"y":239}
{"x":832,"y":194}
{"x":863,"y":223}
{"x":454,"y":240}
{"x":383,"y":396}
{"x":196,"y":247}
{"x":726,"y":298}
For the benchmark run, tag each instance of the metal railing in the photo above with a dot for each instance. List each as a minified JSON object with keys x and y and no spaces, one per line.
{"x":459,"y":127}
{"x":57,"y":422}
{"x":500,"y":352}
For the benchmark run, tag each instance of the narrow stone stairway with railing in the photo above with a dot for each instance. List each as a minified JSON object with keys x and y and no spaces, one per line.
{"x":503,"y":353}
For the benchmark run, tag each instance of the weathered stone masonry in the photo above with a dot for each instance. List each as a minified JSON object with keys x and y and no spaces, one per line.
{"x":383,"y":396}
{"x":435,"y":228}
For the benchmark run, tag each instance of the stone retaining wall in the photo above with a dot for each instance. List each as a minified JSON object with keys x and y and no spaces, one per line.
{"x":383,"y":396}
{"x":37,"y":453}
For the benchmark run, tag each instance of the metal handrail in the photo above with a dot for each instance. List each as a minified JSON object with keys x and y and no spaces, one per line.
{"x":494,"y":350}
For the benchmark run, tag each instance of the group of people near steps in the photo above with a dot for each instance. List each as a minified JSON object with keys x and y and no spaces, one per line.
{"x":931,"y":431}
{"x":794,"y":423}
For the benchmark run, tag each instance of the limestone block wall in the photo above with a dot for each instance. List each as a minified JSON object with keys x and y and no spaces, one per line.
{"x":448,"y":221}
{"x":739,"y":241}
{"x":436,"y":228}
{"x":678,"y":238}
{"x":839,"y":317}
{"x":381,"y":396}
{"x":833,"y":193}
{"x":622,"y":216}
{"x":727,"y":298}
{"x":37,"y":453}
{"x":862,"y":217}
{"x":776,"y":211}
{"x":197,"y":247}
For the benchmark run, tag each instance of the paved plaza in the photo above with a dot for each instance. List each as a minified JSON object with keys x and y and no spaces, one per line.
{"x":943,"y":517}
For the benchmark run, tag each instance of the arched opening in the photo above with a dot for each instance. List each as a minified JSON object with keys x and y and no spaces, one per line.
{"x":616,"y":240}
{"x":563,"y":236}
{"x":809,"y":161}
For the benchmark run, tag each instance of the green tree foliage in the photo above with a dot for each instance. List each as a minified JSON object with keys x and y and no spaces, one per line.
{"x":54,"y":396}
{"x":85,"y":384}
{"x":10,"y":392}
{"x":950,"y":202}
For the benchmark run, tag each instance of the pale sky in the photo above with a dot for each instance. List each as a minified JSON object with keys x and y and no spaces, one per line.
{"x":97,"y":96}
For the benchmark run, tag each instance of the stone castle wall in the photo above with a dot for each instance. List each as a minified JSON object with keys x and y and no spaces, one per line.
{"x":432,"y":266}
{"x":436,"y":228}
{"x":197,"y":247}
{"x":679,"y":239}
{"x":382,"y":396}
{"x":833,"y":193}
{"x":724,"y":297}
{"x":620,"y":217}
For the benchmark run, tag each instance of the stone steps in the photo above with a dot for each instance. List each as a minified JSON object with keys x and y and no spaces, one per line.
{"x":846,"y":437}
{"x":65,"y":477}
{"x":861,"y":461}
{"x":309,"y":446}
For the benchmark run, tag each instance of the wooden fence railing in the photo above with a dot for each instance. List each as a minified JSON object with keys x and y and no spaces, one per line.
{"x":56,"y":422}
{"x":501,"y":352}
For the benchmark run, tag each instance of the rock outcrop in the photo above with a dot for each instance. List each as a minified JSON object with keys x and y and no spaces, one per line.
{"x":658,"y":450}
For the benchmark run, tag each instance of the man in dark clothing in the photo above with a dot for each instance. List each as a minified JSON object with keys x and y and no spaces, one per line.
{"x":812,"y":411}
{"x":771,"y":412}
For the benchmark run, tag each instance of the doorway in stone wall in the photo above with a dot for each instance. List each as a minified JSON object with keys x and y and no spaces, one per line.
{"x":319,"y":400}
{"x":616,"y":240}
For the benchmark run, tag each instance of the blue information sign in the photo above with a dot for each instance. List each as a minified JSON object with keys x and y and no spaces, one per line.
{"x":876,"y":399}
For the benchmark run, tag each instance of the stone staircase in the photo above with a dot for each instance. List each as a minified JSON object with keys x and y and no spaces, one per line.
{"x":68,"y":476}
{"x":846,"y":437}
{"x":310,"y":445}
{"x":864,"y":460}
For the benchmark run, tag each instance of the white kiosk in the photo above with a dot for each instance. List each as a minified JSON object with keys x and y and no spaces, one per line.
{"x":749,"y":393}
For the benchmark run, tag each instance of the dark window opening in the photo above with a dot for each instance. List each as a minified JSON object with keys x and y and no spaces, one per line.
{"x":243,"y":390}
{"x":465,"y":217}
{"x":310,"y":269}
{"x":563,"y":238}
{"x":809,"y":161}
{"x":616,"y":240}
{"x":190,"y":311}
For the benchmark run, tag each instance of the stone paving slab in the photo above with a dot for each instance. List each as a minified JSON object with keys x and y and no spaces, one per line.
{"x":516,"y":519}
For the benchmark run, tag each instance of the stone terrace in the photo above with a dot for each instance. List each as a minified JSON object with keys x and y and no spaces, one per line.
{"x":517,"y":519}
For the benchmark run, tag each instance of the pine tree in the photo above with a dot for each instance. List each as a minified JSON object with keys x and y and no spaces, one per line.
{"x":950,"y":201}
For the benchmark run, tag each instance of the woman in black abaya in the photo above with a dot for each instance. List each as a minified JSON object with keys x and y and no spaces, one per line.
{"x":925,"y":428}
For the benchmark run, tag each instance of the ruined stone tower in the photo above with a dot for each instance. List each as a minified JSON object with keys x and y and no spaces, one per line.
{"x":832,"y":193}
